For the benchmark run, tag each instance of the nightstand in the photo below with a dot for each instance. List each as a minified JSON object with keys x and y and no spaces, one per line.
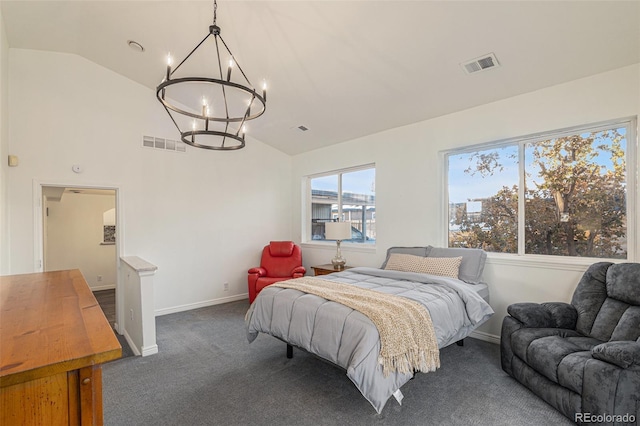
{"x":327,"y":269}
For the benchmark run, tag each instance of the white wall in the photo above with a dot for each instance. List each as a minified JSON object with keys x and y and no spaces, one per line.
{"x":409,"y":183}
{"x":4,"y":149}
{"x":202,"y":217}
{"x":74,"y":236}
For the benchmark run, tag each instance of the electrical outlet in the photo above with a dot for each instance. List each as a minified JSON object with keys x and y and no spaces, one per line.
{"x":99,"y":278}
{"x":131,"y":313}
{"x":226,"y":286}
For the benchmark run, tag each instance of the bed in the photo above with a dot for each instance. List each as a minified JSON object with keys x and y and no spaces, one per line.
{"x":350,"y":340}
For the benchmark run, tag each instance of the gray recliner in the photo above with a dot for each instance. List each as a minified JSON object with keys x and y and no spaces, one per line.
{"x":582,"y":358}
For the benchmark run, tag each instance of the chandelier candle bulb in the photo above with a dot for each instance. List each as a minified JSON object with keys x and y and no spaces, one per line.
{"x":229,"y":69}
{"x":169,"y":61}
{"x":264,"y":91}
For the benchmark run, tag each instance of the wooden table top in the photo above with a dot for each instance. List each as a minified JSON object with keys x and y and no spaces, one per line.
{"x":51,"y":322}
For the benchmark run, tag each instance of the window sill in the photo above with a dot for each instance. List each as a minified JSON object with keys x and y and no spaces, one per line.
{"x":346,"y":247}
{"x":548,"y":262}
{"x":108,"y":243}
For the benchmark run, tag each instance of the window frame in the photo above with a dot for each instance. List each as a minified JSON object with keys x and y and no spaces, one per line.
{"x":307,"y":209}
{"x":554,"y":261}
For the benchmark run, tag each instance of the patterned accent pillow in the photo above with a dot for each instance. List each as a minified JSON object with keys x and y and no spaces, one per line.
{"x":443,"y":266}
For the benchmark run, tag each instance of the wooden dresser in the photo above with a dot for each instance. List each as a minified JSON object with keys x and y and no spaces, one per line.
{"x":53,"y":340}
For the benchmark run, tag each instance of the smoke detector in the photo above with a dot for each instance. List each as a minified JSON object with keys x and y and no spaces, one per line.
{"x":481,"y":63}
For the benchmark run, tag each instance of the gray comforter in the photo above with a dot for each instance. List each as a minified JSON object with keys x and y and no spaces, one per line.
{"x":348,"y":338}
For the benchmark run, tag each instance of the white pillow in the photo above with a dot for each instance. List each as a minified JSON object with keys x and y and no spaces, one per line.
{"x":443,"y":266}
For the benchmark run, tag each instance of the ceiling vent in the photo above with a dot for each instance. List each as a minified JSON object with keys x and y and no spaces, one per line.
{"x":303,"y":128}
{"x":482,"y":63}
{"x":164,"y":144}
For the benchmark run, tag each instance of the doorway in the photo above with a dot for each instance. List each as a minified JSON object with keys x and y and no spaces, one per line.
{"x":79,"y":228}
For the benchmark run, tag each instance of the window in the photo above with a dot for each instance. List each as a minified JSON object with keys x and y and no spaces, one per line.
{"x":345,"y":196}
{"x":565,"y":193}
{"x":109,"y":227}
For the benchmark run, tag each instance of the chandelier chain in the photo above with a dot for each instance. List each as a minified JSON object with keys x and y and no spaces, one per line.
{"x":215,"y":10}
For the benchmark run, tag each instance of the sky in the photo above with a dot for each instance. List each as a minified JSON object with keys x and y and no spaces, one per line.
{"x":464,"y":186}
{"x":357,"y":182}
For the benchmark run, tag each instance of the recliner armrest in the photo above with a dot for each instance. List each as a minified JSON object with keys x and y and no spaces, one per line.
{"x":564,"y":314}
{"x":299,"y":270}
{"x":624,"y":354}
{"x":545,"y":315}
{"x":261,"y":272}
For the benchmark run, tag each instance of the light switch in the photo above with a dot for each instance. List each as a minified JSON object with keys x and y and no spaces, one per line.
{"x":13,"y":160}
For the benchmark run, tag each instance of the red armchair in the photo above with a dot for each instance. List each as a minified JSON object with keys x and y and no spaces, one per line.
{"x":281,"y":260}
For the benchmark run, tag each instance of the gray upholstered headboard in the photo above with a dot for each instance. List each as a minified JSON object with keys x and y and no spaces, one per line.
{"x":471,"y":267}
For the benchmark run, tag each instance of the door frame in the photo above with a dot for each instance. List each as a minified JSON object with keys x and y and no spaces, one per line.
{"x":38,"y":233}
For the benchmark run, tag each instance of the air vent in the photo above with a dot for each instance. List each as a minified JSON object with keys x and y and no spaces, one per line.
{"x":163,"y":144}
{"x":303,"y":128}
{"x":482,"y":63}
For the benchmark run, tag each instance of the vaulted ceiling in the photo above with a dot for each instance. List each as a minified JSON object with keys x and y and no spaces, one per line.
{"x":346,"y":69}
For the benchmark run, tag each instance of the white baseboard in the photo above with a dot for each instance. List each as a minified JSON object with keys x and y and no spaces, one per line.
{"x":150,"y":350}
{"x":103,"y":287}
{"x":480,"y":335}
{"x":190,"y":306}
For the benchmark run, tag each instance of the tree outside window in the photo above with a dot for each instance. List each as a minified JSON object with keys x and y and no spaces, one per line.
{"x":574,"y":192}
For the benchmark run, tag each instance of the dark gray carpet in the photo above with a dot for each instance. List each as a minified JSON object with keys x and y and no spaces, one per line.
{"x":206,"y":373}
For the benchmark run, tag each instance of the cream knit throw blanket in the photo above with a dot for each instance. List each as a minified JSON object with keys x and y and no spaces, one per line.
{"x":407,"y":340}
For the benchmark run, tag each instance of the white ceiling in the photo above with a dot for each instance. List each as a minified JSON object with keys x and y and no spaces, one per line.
{"x":346,"y":69}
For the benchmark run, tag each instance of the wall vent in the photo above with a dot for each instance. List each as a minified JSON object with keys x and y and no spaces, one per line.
{"x":482,"y":63}
{"x":164,"y":144}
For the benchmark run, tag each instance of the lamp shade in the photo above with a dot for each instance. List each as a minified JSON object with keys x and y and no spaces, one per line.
{"x":337,"y":231}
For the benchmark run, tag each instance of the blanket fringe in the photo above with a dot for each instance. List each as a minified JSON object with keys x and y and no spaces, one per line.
{"x":410,"y":361}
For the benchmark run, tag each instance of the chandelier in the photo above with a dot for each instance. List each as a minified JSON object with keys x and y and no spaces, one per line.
{"x":210,"y":112}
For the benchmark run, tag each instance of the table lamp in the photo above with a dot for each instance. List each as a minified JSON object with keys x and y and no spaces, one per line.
{"x":338,"y":231}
